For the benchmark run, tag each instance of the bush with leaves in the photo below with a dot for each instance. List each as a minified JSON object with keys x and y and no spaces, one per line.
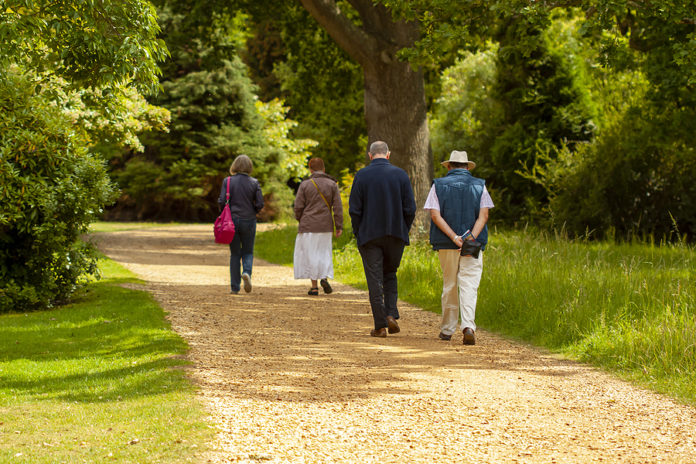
{"x":51,"y":188}
{"x":215,"y":116}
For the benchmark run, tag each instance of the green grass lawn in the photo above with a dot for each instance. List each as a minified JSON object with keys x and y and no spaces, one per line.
{"x":629,"y":308}
{"x":99,"y":380}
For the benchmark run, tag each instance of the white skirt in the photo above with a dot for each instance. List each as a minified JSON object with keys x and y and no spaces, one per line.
{"x":313,"y":256}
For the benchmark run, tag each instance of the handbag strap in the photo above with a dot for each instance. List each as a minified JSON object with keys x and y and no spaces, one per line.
{"x":327,"y":204}
{"x":227,"y":199}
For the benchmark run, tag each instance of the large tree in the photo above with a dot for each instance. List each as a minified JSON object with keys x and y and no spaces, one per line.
{"x":395,"y":103}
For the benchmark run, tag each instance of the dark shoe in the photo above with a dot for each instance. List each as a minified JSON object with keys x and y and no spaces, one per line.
{"x":247,"y":282}
{"x":234,"y":292}
{"x":381,"y":333}
{"x":325,"y":285}
{"x":469,"y":336}
{"x":393,"y":325}
{"x":445,"y":337}
{"x":313,"y":291}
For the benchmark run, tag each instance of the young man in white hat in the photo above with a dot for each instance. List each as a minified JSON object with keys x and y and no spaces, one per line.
{"x":458,"y":204}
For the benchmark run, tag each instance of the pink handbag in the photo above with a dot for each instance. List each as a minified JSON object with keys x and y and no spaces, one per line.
{"x":224,"y":227}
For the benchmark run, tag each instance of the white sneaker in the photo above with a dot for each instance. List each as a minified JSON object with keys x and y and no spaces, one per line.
{"x":247,"y":282}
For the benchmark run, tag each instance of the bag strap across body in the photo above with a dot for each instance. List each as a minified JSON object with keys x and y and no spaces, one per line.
{"x":327,"y":204}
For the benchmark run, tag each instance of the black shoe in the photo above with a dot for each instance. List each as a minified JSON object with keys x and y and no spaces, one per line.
{"x":445,"y":337}
{"x":313,"y":291}
{"x":469,"y":336}
{"x":325,"y":285}
{"x":393,"y":325}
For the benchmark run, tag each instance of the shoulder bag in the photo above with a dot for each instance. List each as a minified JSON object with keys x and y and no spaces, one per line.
{"x":224,"y":226}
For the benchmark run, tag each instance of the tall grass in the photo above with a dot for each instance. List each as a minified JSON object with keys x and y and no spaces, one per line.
{"x":630,"y":307}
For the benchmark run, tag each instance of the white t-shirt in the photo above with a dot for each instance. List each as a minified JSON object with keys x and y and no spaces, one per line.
{"x":433,"y":203}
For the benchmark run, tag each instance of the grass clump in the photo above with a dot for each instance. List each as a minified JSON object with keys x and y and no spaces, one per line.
{"x":630,"y":307}
{"x":99,"y":380}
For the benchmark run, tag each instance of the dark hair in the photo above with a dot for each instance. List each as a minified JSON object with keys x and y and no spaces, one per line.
{"x":316,"y":164}
{"x":457,"y":165}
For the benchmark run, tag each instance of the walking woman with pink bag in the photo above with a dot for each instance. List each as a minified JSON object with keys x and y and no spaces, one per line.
{"x":319,"y":210}
{"x":245,"y":201}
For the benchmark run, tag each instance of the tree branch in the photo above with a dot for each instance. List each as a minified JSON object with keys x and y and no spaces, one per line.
{"x":360,"y":45}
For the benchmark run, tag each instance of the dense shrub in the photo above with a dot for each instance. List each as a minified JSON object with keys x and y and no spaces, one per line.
{"x":51,"y":188}
{"x":635,"y":180}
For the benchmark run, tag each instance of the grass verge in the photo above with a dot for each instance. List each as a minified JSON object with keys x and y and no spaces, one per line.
{"x":629,"y":308}
{"x":99,"y":380}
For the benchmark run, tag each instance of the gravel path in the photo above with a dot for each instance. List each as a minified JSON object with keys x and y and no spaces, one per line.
{"x":297,"y":379}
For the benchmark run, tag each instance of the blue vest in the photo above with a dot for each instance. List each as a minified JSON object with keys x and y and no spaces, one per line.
{"x":459,"y":194}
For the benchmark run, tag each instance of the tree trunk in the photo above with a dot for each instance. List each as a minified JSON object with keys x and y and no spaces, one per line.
{"x":395,"y":108}
{"x":396,"y":113}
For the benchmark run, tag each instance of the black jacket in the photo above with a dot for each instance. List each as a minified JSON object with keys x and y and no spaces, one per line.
{"x":381,"y":202}
{"x":246,"y":198}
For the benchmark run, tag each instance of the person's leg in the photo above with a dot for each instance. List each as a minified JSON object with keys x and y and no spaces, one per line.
{"x":235,"y":257}
{"x":393,"y":250}
{"x":449,"y":262}
{"x":372,"y":260}
{"x":248,"y":236}
{"x":468,"y":279}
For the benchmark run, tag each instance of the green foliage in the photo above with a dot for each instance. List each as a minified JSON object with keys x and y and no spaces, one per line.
{"x":543,"y":108}
{"x":636,"y":179}
{"x":104,"y":44}
{"x":633,"y":179}
{"x":512,"y":105}
{"x":80,"y":382}
{"x":215,"y":117}
{"x":466,"y":110}
{"x":293,"y":58}
{"x":51,"y":188}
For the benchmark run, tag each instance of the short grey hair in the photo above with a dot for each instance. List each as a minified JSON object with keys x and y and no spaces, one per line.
{"x":379,"y":148}
{"x":242,"y":163}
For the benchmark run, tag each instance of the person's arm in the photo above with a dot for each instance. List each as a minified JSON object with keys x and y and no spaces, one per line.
{"x":299,"y":202}
{"x":355,"y":206}
{"x":337,"y":208}
{"x":222,"y":199}
{"x":258,"y":200}
{"x":408,"y":202}
{"x":440,"y":222}
{"x":480,"y":222}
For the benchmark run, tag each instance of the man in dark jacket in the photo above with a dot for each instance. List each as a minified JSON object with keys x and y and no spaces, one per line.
{"x":382,"y":209}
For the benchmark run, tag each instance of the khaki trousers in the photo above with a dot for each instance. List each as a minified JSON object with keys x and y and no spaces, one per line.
{"x":461,"y":276}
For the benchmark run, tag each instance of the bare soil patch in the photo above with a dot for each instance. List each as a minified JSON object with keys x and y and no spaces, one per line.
{"x":293,"y":378}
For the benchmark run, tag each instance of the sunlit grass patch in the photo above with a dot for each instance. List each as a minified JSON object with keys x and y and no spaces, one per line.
{"x":99,"y":380}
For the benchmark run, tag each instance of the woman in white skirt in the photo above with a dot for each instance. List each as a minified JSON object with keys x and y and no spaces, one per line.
{"x":319,"y":210}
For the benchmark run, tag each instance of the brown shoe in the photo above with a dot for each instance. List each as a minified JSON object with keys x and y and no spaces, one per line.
{"x":469,"y":336}
{"x":393,"y":325}
{"x":443,"y":336}
{"x":381,"y":333}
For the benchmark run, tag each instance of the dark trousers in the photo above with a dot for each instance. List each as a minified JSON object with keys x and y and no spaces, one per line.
{"x":381,"y":258}
{"x":241,"y":250}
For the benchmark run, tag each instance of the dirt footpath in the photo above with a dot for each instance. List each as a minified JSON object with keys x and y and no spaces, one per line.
{"x":297,"y":379}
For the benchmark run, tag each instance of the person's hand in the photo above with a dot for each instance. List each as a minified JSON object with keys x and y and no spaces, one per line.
{"x":338,"y":233}
{"x":458,"y":241}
